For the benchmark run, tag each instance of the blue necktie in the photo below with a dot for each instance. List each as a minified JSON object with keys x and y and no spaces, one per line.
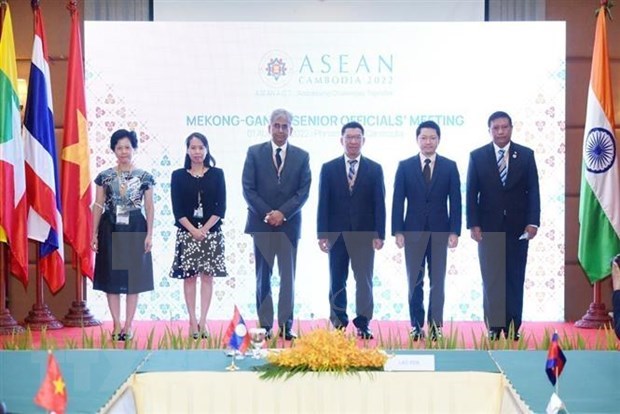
{"x":501,"y":166}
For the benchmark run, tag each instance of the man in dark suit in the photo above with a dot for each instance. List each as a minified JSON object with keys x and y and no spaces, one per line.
{"x":615,"y":280}
{"x":503,"y":214}
{"x":350,"y":226}
{"x":276,"y":181}
{"x":429,"y":184}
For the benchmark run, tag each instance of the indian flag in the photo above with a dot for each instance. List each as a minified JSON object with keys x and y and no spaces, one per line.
{"x":13,"y":210}
{"x":599,"y":205}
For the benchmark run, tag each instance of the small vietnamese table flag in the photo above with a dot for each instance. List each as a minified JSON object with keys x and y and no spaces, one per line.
{"x":237,"y":336}
{"x":555,"y":360}
{"x":52,"y":394}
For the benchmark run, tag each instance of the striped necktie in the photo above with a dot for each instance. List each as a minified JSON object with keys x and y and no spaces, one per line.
{"x":351,"y":174}
{"x":501,"y":165}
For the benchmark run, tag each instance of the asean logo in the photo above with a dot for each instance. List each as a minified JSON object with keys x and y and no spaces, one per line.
{"x":600,"y":150}
{"x":274,"y":67}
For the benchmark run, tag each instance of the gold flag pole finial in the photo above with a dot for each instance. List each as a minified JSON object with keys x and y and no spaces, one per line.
{"x":72,"y":5}
{"x":606,"y":6}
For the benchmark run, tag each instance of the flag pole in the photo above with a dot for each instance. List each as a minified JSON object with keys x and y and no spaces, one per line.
{"x":40,"y":317}
{"x":79,"y":315}
{"x":597,"y":315}
{"x":232,"y":366}
{"x":8,"y":325}
{"x":598,"y":233}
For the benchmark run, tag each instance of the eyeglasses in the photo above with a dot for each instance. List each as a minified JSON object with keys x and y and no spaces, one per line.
{"x":353,"y":137}
{"x":280,"y":127}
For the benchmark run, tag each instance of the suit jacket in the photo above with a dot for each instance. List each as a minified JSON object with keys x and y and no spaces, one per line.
{"x":362,"y":209}
{"x":427,"y":205}
{"x":616,"y":308}
{"x":264,"y":191}
{"x":495,"y":207}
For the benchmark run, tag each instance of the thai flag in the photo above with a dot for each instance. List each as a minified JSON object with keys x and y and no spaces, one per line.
{"x":44,"y":215}
{"x":237,"y":336}
{"x":555,"y":360}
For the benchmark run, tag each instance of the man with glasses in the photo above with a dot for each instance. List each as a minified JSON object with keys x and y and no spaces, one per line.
{"x":276,"y":181}
{"x":351,"y":226}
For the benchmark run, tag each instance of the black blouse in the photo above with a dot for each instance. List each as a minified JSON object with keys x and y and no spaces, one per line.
{"x":185,"y":190}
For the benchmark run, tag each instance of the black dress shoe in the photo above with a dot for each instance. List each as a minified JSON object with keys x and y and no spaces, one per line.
{"x":365,"y":333}
{"x":494,"y":334}
{"x":514,"y":336}
{"x":435,"y":333}
{"x":416,"y":333}
{"x":287,"y":334}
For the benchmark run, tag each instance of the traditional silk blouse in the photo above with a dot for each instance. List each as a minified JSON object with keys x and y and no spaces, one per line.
{"x":134,"y":182}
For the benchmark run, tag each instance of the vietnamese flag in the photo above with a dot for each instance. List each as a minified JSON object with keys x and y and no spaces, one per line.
{"x":52,"y":394}
{"x":75,"y":158}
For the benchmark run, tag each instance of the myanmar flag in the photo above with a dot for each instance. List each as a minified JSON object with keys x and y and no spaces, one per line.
{"x":599,"y":205}
{"x":13,"y":211}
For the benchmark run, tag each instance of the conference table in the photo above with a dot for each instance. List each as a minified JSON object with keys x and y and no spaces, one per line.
{"x":171,"y":381}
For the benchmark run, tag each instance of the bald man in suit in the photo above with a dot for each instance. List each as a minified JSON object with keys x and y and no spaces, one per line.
{"x":276,"y":182}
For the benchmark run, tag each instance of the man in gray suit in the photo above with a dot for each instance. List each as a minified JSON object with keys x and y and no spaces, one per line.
{"x":276,"y":181}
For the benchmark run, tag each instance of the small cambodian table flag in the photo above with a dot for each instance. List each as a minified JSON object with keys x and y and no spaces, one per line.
{"x":52,"y":394}
{"x":237,"y":336}
{"x":555,"y":359}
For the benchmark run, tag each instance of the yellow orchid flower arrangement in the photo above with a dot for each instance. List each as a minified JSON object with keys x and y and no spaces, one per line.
{"x":323,"y":350}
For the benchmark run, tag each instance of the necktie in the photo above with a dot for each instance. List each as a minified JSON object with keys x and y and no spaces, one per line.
{"x":278,"y":158}
{"x":426,"y":171}
{"x":501,"y":165}
{"x":351,"y":174}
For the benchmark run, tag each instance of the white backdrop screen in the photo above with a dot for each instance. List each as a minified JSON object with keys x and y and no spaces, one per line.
{"x":168,"y":79}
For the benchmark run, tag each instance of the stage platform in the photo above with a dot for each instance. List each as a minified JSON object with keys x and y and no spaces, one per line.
{"x":391,"y":334}
{"x":197,"y":381}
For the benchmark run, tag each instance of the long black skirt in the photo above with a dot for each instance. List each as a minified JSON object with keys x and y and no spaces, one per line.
{"x":121,"y":265}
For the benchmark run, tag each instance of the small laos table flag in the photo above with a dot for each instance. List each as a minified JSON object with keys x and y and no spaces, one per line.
{"x":52,"y":394}
{"x":237,"y":336}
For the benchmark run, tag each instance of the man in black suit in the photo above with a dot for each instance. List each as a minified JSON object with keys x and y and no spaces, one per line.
{"x":276,"y":181}
{"x":503,"y":214}
{"x":351,"y":225}
{"x":428,"y":183}
{"x":615,"y":280}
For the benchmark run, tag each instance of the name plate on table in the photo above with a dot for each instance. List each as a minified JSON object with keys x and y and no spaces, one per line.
{"x":410,"y":363}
